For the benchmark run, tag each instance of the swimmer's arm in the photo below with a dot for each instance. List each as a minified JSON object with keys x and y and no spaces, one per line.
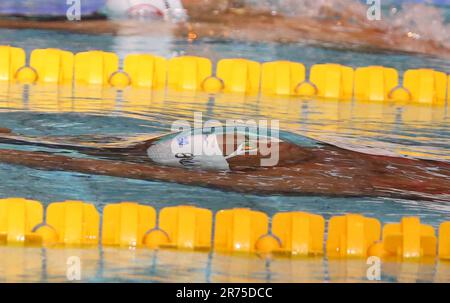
{"x":311,"y":178}
{"x":102,"y":146}
{"x":265,"y":181}
{"x":307,"y":180}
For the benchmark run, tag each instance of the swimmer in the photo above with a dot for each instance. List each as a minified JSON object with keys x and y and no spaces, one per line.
{"x":234,"y":161}
{"x":340,"y":22}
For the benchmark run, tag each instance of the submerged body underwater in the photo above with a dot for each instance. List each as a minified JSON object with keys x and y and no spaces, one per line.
{"x":315,"y":169}
{"x":96,"y":147}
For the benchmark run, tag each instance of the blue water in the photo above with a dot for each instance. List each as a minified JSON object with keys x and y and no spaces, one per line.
{"x":41,"y":110}
{"x":217,"y":49}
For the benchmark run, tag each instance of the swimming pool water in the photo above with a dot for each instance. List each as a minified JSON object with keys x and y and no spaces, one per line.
{"x":46,"y":110}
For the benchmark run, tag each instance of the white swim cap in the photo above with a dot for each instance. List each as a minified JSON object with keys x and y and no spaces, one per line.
{"x":152,"y":9}
{"x":189,"y":151}
{"x":201,"y":149}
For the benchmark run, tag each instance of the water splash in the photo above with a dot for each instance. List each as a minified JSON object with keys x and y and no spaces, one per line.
{"x":421,"y":21}
{"x":403,"y":22}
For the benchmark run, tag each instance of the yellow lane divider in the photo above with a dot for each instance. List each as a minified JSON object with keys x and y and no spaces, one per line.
{"x":407,"y":239}
{"x":352,"y":235}
{"x":188,"y":72}
{"x":238,"y":76}
{"x":125,"y":224}
{"x":11,"y":60}
{"x":52,"y":66}
{"x":332,"y":81}
{"x":240,"y":230}
{"x":18,"y":217}
{"x":146,"y":71}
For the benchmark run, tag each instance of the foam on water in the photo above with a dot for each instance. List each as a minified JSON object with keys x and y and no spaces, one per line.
{"x":419,"y":21}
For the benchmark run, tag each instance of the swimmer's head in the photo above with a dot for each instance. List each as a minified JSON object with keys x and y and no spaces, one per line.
{"x":146,"y":9}
{"x":212,"y":149}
